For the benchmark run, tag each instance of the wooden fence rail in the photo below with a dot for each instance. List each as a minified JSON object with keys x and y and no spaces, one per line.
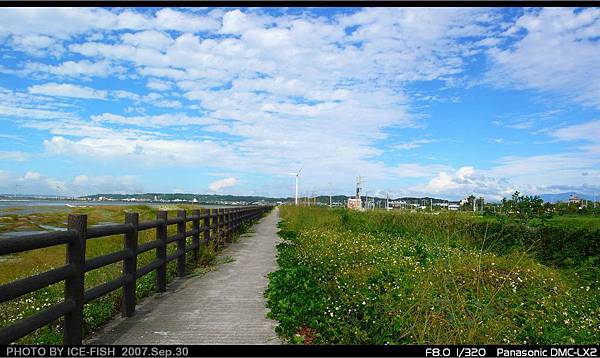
{"x":224,"y":223}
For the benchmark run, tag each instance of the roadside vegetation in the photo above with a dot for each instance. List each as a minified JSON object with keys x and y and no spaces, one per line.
{"x":100,"y":311}
{"x":382,"y":277}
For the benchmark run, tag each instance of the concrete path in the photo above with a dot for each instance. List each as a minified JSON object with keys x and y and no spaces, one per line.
{"x":225,"y":306}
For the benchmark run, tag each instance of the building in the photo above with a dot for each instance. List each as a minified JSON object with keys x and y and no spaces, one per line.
{"x":453,"y":207}
{"x":355,"y":203}
{"x":574,"y":199}
{"x":401,"y":204}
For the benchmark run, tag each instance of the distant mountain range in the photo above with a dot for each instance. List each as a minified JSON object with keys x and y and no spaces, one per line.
{"x":554,"y":198}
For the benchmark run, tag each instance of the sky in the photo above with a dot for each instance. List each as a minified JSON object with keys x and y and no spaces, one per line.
{"x":419,"y":101}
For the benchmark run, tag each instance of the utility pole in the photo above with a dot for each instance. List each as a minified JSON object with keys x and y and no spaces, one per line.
{"x":330,"y":202}
{"x":359,"y":188}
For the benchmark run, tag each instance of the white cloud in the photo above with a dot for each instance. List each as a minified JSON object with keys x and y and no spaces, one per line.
{"x":36,"y":183}
{"x":67,"y":90}
{"x":159,"y":85}
{"x":293,"y":114}
{"x":151,"y":39}
{"x":584,"y":131}
{"x":274,"y":113}
{"x":57,"y":22}
{"x":30,"y":112}
{"x":64,"y":23}
{"x":217,"y":185}
{"x":156,"y":121}
{"x":75,"y":69}
{"x":14,"y":104}
{"x":416,"y":170}
{"x":413,"y":144}
{"x":237,"y":22}
{"x":466,"y":181}
{"x":13,"y":155}
{"x":30,"y":183}
{"x":169,"y":19}
{"x":147,"y":152}
{"x":547,"y":169}
{"x":575,"y":166}
{"x":107,"y":184}
{"x":37,"y":45}
{"x":557,"y":54}
{"x":32,"y":176}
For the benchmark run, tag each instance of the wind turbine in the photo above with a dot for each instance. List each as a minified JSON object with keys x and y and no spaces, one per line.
{"x":297,"y":176}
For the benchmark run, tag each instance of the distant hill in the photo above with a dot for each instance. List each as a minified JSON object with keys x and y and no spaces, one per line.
{"x":425,"y":199}
{"x":202,"y":198}
{"x":554,"y":198}
{"x":216,"y":198}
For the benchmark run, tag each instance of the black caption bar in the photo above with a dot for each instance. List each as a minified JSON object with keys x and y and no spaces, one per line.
{"x":168,"y":351}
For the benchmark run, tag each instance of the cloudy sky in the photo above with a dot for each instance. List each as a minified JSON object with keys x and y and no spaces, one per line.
{"x":445,"y":102}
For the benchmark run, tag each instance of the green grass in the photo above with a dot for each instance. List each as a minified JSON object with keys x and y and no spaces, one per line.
{"x":401,"y":278}
{"x":581,"y":221}
{"x":99,"y":311}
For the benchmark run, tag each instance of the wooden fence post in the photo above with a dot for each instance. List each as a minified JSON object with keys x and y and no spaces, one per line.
{"x":181,"y":244}
{"x":206,"y":225}
{"x":223,"y":226}
{"x":229,"y":225}
{"x":161,"y":251}
{"x":130,"y":265}
{"x":196,"y":237}
{"x":74,"y":286}
{"x":236,"y":219}
{"x":219,"y":223}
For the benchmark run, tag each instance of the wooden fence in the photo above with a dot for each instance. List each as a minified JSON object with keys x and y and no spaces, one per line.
{"x":224,"y":223}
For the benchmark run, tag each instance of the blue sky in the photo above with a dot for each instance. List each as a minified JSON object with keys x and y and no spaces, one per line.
{"x":444,"y":102}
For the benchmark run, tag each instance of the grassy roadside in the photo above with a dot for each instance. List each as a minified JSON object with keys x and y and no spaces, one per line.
{"x":387,"y":278}
{"x":100,"y":311}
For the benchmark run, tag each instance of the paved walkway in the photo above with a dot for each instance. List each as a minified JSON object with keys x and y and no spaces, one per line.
{"x":225,"y":306}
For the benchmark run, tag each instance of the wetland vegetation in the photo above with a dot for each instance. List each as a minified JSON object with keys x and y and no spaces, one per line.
{"x":381,"y":277}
